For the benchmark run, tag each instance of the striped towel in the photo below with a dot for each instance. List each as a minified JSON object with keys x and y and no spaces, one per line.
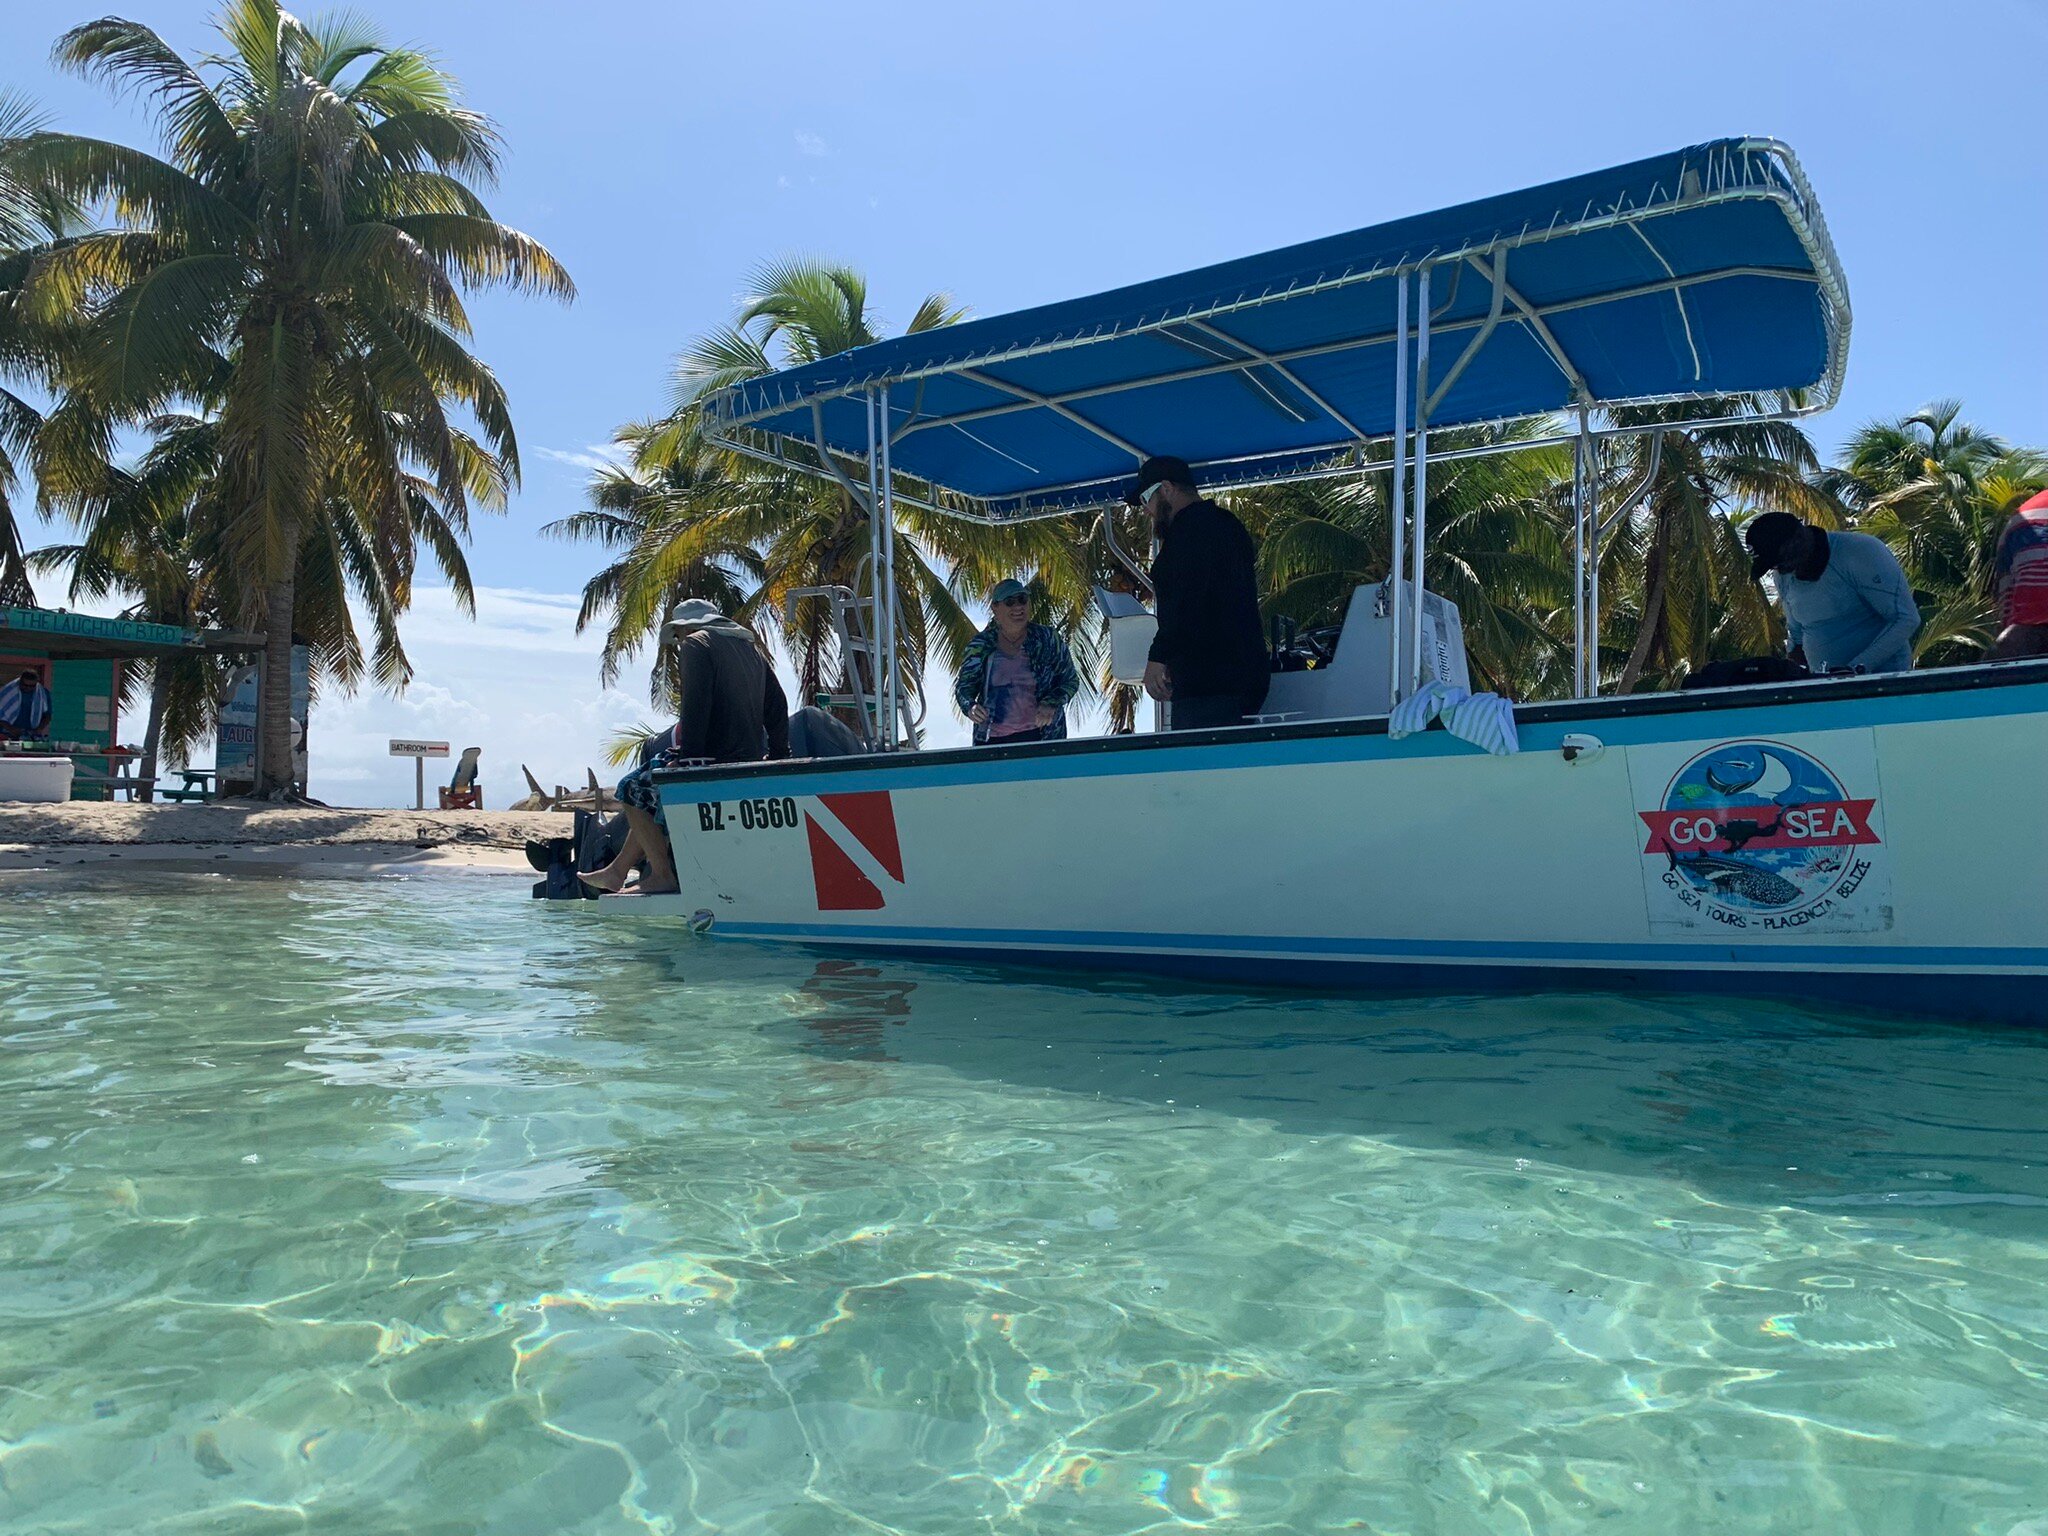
{"x":1485,"y":719}
{"x":1415,"y":712}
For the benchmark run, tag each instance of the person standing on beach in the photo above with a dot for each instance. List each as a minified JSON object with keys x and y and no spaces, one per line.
{"x":732,"y":710}
{"x":1209,"y":658}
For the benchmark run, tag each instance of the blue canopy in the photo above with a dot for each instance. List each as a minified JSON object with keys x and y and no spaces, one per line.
{"x":1706,"y":272}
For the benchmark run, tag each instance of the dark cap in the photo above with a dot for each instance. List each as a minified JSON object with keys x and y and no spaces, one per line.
{"x":1153,"y":471}
{"x":1767,"y":535}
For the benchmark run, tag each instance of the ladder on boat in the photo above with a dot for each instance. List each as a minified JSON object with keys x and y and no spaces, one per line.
{"x":851,"y":615}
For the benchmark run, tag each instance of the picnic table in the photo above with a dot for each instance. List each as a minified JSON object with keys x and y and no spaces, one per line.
{"x":194,"y":783}
{"x":198,"y":786}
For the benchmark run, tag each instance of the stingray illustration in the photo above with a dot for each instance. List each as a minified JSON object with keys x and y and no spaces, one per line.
{"x":1767,"y":777}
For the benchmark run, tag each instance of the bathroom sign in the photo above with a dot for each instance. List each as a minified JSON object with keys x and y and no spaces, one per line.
{"x":419,"y":748}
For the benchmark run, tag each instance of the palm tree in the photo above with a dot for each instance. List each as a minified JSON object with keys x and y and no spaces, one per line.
{"x":692,"y":518}
{"x":1677,"y":569}
{"x":154,"y":540}
{"x":294,"y":268}
{"x":31,"y":353}
{"x":642,"y":509}
{"x":1938,"y":491}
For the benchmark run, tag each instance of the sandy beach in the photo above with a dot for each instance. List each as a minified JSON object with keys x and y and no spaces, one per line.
{"x":83,"y":832}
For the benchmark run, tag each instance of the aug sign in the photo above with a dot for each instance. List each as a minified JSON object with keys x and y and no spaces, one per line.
{"x":1763,"y":837}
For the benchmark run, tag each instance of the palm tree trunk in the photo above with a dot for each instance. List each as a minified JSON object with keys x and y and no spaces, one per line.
{"x":1655,"y":583}
{"x":274,"y":777}
{"x":152,"y":738}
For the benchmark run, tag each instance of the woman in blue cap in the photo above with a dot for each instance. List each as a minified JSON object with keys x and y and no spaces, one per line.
{"x":1017,"y":676}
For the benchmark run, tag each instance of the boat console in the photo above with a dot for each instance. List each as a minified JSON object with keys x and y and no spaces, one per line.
{"x":1335,"y":673}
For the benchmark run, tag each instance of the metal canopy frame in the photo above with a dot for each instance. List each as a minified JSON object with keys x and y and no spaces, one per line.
{"x":1421,"y":322}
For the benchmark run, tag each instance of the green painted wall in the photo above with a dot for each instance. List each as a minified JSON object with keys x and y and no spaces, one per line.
{"x":84,"y":706}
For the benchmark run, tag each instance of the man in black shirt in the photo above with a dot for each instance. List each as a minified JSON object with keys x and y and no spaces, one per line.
{"x":1209,"y":657}
{"x":732,"y":710}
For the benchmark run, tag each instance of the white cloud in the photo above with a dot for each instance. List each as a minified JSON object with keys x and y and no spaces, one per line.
{"x":811,"y":144}
{"x":595,"y":456}
{"x":517,"y":681}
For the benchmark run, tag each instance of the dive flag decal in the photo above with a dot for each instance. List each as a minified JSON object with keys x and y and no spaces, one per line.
{"x":841,"y":885}
{"x":869,"y":820}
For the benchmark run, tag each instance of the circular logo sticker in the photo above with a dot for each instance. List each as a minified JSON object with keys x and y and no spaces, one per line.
{"x":1758,"y":828}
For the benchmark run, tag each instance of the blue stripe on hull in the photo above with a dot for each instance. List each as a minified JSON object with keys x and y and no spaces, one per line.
{"x":1977,"y":997}
{"x":1582,"y":956}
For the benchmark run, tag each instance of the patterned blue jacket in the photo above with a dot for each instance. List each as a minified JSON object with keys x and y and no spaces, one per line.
{"x":1052,"y":670}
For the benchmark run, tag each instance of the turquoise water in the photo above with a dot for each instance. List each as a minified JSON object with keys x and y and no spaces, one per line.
{"x":407,"y":1205}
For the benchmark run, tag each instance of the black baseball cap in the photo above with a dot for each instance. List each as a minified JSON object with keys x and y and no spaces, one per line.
{"x":1156,"y":469}
{"x":1766,"y":535}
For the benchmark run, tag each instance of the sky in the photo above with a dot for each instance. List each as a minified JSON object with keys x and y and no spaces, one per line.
{"x":1012,"y":155}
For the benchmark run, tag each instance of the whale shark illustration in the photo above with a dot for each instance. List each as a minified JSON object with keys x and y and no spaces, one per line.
{"x":1736,"y":877}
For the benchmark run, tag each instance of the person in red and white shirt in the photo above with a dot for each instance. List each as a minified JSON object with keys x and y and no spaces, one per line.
{"x":2022,"y":571}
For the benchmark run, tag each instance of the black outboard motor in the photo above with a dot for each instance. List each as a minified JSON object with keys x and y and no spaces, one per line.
{"x":593,"y":842}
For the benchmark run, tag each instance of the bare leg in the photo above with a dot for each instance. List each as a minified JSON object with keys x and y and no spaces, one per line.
{"x":616,"y":873}
{"x":645,"y":840}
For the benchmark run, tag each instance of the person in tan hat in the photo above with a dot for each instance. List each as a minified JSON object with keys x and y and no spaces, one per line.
{"x":732,"y":710}
{"x":1016,"y":677}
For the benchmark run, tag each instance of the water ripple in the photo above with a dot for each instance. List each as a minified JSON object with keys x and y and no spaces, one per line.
{"x":411,"y":1205}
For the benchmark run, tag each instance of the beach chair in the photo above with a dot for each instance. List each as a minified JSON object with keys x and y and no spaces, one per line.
{"x":463,"y":792}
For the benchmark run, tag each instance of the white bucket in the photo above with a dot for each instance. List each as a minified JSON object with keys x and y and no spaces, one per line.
{"x":42,"y":779}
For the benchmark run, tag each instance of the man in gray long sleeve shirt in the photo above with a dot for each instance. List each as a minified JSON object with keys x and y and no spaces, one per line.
{"x":1845,"y":598}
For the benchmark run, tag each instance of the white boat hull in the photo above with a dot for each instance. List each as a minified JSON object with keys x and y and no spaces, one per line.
{"x":1872,"y":842}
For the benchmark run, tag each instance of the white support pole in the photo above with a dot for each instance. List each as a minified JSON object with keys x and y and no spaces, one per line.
{"x":1592,"y":568}
{"x":878,"y":720}
{"x":1419,"y":544}
{"x":885,"y":508}
{"x":1397,"y":509}
{"x":1581,"y":472}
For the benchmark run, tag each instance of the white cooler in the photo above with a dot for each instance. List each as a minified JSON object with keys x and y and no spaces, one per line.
{"x":35,"y":778}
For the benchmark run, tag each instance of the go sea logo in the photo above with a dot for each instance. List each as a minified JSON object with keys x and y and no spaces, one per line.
{"x":1757,"y":834}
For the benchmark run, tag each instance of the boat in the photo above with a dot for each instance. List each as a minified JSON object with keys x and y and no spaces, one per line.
{"x":1842,"y":841}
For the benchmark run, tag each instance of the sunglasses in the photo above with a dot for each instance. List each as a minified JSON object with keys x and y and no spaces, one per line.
{"x":1010,"y":602}
{"x":1149,"y":492}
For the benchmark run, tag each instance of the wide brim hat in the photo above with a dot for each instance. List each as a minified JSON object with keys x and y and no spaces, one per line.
{"x":689,"y":614}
